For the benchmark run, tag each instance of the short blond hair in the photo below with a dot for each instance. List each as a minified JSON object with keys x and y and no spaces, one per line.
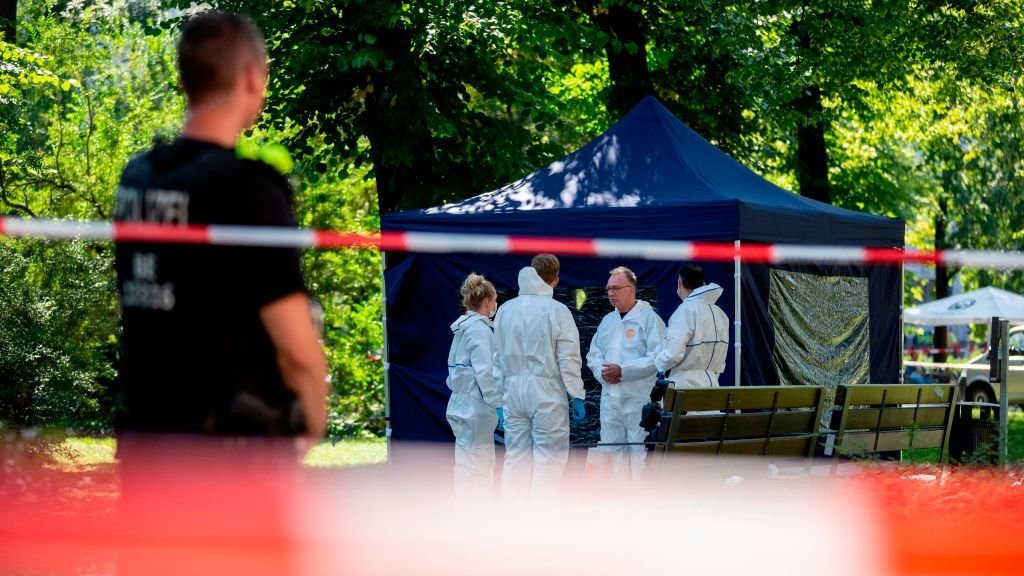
{"x":475,"y":289}
{"x":630,"y":276}
{"x":546,"y":266}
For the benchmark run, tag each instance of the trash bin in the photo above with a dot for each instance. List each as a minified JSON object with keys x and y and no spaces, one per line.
{"x":974,"y":438}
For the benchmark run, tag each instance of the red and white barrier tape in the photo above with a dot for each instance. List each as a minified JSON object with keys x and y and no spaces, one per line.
{"x":499,"y":244}
{"x":930,"y":351}
{"x":957,"y":365}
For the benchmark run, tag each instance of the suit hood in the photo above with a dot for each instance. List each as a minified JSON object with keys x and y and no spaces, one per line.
{"x":531,"y":283}
{"x":706,"y":294}
{"x":466,"y":320}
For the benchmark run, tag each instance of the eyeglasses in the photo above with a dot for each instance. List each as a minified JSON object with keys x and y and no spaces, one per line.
{"x":615,"y":289}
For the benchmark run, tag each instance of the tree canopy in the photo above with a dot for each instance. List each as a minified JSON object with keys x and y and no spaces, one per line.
{"x":896,"y":107}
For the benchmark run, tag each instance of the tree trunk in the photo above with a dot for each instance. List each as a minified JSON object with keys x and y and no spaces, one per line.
{"x":626,"y":49}
{"x":811,"y":150}
{"x":940,"y":335}
{"x":9,"y":20}
{"x":395,"y":121}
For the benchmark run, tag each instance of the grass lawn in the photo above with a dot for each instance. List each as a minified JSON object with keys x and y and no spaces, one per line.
{"x":346,"y":453}
{"x":1015,"y":444}
{"x":76,"y":453}
{"x":85,"y":452}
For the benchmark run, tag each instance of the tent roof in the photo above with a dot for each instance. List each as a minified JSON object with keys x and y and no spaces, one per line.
{"x":974,"y":307}
{"x":651,"y":176}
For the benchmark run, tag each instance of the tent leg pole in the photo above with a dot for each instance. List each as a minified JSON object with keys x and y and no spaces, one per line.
{"x":387,"y":380}
{"x":1004,"y":373}
{"x":737,"y":304}
{"x":903,"y":288}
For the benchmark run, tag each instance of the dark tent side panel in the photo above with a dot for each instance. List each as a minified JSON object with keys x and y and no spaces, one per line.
{"x":827,"y":325}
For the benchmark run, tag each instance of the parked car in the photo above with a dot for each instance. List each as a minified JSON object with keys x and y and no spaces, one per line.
{"x":974,"y":384}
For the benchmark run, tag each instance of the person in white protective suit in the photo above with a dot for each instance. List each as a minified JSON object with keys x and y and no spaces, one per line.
{"x":621,"y":357}
{"x":474,"y":407}
{"x":697,"y":337}
{"x":538,"y":351}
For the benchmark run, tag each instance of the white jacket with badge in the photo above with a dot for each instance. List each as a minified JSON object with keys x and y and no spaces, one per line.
{"x":696,"y":341}
{"x":631,"y":341}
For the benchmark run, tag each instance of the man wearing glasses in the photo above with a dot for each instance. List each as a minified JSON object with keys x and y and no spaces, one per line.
{"x":622,"y":359}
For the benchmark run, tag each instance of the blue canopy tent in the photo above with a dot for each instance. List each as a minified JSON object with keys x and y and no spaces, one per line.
{"x":648,"y":177}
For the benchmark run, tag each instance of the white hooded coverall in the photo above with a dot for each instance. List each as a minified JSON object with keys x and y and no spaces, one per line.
{"x":631,"y":341}
{"x":696,"y":340}
{"x":538,"y":352}
{"x":471,"y":409}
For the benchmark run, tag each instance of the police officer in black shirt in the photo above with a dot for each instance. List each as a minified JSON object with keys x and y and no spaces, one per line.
{"x":216,"y":340}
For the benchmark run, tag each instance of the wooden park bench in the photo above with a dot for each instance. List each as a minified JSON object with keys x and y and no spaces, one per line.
{"x":877,"y":418}
{"x":747,"y":420}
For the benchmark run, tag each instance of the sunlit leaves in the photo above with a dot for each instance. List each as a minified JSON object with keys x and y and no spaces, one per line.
{"x":57,"y":319}
{"x":21,"y":69}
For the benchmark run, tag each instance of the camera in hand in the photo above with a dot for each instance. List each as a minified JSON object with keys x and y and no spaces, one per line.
{"x":651,"y":416}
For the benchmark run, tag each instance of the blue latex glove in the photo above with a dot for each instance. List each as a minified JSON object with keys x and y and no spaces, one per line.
{"x":499,"y":432}
{"x":579,"y":411}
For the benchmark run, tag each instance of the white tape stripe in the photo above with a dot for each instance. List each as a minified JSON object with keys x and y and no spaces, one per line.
{"x":262,"y":236}
{"x":644,"y":249}
{"x":984,"y":259}
{"x":836,"y":254}
{"x":58,"y":229}
{"x":434,"y":242}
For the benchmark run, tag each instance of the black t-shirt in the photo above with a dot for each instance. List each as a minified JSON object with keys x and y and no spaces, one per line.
{"x":192,"y":338}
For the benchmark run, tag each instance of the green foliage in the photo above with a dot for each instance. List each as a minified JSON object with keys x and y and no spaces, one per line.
{"x":969,"y":149}
{"x":451,"y":96}
{"x":22,"y":70}
{"x":99,"y":89}
{"x":346,"y":283}
{"x":64,"y":157}
{"x":58,"y":318}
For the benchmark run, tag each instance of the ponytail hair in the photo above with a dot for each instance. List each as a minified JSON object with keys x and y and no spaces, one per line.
{"x":475,"y":290}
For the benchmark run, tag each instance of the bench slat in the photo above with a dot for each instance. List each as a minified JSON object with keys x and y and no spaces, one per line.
{"x":861,"y":442}
{"x":788,"y":446}
{"x":745,"y":425}
{"x":743,"y":397}
{"x":899,"y":393}
{"x":896,"y":417}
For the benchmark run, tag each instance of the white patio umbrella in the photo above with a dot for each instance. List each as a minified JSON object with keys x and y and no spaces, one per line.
{"x":974,"y":307}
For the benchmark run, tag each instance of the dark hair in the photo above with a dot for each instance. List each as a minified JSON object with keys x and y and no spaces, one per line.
{"x":546,"y":266}
{"x":213,"y":47}
{"x":692,"y":276}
